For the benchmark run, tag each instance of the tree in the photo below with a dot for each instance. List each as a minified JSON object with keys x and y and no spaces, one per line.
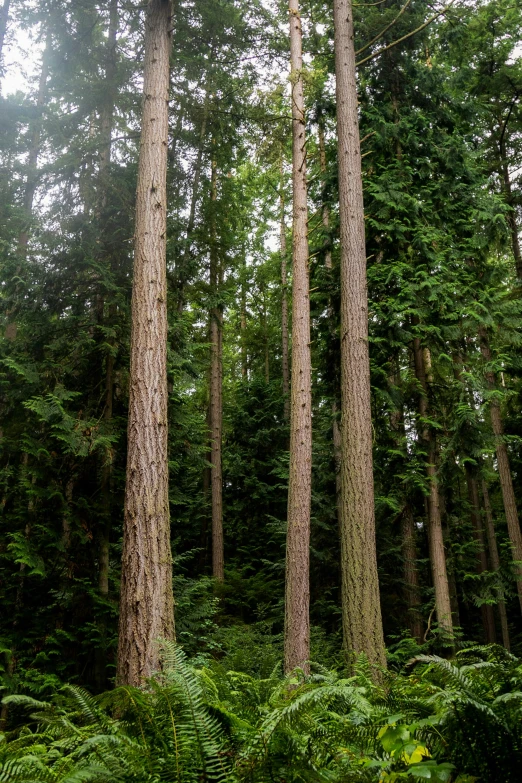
{"x":361,"y":610}
{"x":146,"y":603}
{"x":297,"y":585}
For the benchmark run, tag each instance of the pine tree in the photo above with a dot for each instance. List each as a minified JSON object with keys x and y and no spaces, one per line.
{"x":362,"y":624}
{"x":297,"y":586}
{"x":146,"y":603}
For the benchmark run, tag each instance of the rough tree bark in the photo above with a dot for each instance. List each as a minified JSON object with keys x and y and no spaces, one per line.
{"x":216,"y":397}
{"x":495,"y":562}
{"x":297,"y":583}
{"x":435,"y":535}
{"x":504,"y":469}
{"x":146,"y":603}
{"x":486,"y":610}
{"x":361,"y":610}
{"x":284,"y":296}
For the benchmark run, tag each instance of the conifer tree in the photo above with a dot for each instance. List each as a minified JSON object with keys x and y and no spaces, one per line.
{"x":361,"y":610}
{"x":146,"y":603}
{"x":297,"y":582}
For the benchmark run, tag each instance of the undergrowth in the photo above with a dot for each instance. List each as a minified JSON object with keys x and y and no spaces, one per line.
{"x":436,"y":720}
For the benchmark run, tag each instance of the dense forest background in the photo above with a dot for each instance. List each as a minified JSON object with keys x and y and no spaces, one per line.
{"x":441,"y":137}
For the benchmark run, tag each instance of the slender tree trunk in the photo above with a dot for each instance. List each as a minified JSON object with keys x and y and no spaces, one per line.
{"x":325,"y":210}
{"x":411,"y":574}
{"x":216,"y":395}
{"x":297,"y":584}
{"x":511,"y":216}
{"x":106,"y":127}
{"x":107,"y":107}
{"x":336,"y":432}
{"x":504,"y":470}
{"x":284,"y":297}
{"x":495,"y":563}
{"x":193,"y":200}
{"x":34,"y":149}
{"x":243,"y":324}
{"x":361,"y":609}
{"x":450,"y":566}
{"x":488,"y":619}
{"x":108,"y":257}
{"x":32,"y":174}
{"x":146,"y":605}
{"x":435,"y":535}
{"x":412,"y":595}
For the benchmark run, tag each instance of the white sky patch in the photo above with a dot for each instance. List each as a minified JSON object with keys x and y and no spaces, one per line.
{"x":22,"y":56}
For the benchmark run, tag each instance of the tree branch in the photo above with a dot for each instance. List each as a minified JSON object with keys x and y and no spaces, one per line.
{"x":380,"y":35}
{"x":408,"y":35}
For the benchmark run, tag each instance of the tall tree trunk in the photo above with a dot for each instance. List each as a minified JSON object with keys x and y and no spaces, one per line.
{"x":146,"y":604}
{"x":216,"y":397}
{"x":32,"y":173}
{"x":284,"y":296}
{"x":486,"y":610}
{"x":435,"y":535}
{"x":408,"y":533}
{"x":297,"y":583}
{"x":34,"y":149}
{"x":504,"y":470}
{"x":411,"y":573}
{"x":336,"y":432}
{"x":107,"y":107}
{"x":243,"y":323}
{"x":361,"y":609}
{"x":450,"y":565}
{"x":495,"y":562}
{"x":105,"y":151}
{"x":194,"y":199}
{"x":512,"y":215}
{"x":325,"y":210}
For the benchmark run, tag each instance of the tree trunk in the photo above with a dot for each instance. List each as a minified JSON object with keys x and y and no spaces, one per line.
{"x":32,"y":174}
{"x":361,"y":610}
{"x":336,"y":432}
{"x":107,"y":108}
{"x":435,"y":535}
{"x":34,"y":149}
{"x":193,"y":200}
{"x":495,"y":563}
{"x":146,"y":605}
{"x":297,"y":583}
{"x":486,"y":610}
{"x":243,"y":324}
{"x":105,"y":151}
{"x":216,"y":397}
{"x":325,"y":211}
{"x":408,"y":533}
{"x":411,"y":574}
{"x":284,"y":299}
{"x":511,"y":216}
{"x":504,"y":470}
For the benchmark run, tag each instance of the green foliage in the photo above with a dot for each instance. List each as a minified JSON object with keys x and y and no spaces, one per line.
{"x":445,"y":721}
